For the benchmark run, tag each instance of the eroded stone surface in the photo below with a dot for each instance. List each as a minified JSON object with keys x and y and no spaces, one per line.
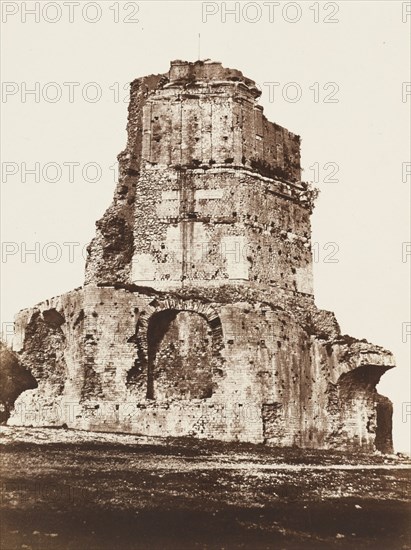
{"x":197,"y":316}
{"x":14,"y":379}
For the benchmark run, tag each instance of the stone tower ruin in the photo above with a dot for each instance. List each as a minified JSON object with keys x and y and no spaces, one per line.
{"x":197,"y":316}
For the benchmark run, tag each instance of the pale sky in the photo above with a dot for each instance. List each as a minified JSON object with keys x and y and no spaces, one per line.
{"x":351,"y":114}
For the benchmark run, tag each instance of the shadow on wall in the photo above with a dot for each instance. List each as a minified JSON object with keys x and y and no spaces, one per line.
{"x":14,"y":380}
{"x":180,"y":356}
{"x":178,"y":351}
{"x":359,"y":386}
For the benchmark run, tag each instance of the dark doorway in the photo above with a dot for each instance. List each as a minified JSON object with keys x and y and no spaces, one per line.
{"x":383,"y":432}
{"x":180,"y":356}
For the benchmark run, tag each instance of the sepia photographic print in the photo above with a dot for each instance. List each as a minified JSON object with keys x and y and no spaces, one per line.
{"x":205,"y":256}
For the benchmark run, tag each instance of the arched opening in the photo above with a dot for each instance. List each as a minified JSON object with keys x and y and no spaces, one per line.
{"x":367,"y":414}
{"x":179,"y":356}
{"x":383,"y":432}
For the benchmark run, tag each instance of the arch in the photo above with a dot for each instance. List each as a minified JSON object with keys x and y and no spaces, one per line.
{"x":367,"y":413}
{"x":177,"y":304}
{"x":168,"y":309}
{"x":180,"y":357}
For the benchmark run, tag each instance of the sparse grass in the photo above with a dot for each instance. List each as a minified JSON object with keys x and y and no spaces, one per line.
{"x":111,"y":492}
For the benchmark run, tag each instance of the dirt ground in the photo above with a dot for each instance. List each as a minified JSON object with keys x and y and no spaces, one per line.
{"x":63,"y":489}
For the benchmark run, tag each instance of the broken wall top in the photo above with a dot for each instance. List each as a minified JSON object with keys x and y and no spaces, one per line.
{"x":202,"y":114}
{"x":204,"y":170}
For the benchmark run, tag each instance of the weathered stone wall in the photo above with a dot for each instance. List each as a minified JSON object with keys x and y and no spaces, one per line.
{"x":203,"y":228}
{"x":199,"y":115}
{"x":197,"y":123}
{"x":198,"y":315}
{"x":14,"y":379}
{"x":156,"y":364}
{"x":111,"y":251}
